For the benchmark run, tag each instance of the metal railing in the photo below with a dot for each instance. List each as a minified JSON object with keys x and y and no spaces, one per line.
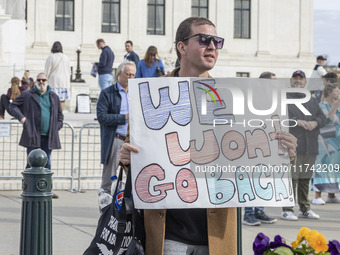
{"x":62,"y":161}
{"x":89,"y":148}
{"x":86,"y":153}
{"x":13,"y":158}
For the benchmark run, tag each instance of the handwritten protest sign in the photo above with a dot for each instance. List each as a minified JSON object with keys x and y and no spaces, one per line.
{"x":207,"y":143}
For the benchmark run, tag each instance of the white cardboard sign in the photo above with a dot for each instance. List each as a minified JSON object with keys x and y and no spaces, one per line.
{"x":206,"y":143}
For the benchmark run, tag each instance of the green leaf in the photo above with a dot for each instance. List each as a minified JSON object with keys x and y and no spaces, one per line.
{"x":270,"y":253}
{"x":299,"y":251}
{"x":283,"y":250}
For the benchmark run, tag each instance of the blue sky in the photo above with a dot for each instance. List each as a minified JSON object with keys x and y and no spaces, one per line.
{"x":327,"y":30}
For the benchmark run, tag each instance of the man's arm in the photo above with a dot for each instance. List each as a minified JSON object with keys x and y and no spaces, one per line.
{"x":135,"y":59}
{"x":320,"y":118}
{"x":60,"y":116}
{"x":321,"y":71}
{"x":102,"y":59}
{"x":103,"y":112}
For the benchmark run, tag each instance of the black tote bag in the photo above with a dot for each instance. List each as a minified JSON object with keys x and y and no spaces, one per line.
{"x":116,"y":233}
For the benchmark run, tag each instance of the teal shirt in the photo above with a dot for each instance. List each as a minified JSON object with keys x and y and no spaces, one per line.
{"x":45,"y":106}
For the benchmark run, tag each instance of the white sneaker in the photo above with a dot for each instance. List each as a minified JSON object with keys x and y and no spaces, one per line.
{"x":333,"y":200}
{"x":319,"y":201}
{"x":288,"y":216}
{"x":309,"y":214}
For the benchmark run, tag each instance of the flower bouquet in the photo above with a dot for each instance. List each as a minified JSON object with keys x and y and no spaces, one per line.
{"x":308,"y":242}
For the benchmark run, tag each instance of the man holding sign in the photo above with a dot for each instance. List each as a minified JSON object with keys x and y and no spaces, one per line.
{"x":194,"y":231}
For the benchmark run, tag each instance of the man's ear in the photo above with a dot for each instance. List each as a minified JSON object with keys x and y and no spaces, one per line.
{"x":181,"y":48}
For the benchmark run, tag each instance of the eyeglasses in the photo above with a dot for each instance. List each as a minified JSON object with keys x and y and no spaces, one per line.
{"x":205,"y":40}
{"x":130,"y":75}
{"x":43,"y":80}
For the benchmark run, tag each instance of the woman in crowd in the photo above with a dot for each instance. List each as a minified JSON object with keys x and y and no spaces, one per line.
{"x":327,"y":164}
{"x":58,"y":72}
{"x":27,"y":81}
{"x":148,"y":66}
{"x":12,"y":93}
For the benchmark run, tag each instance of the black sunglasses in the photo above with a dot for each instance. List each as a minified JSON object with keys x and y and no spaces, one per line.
{"x":205,"y":40}
{"x":43,"y":80}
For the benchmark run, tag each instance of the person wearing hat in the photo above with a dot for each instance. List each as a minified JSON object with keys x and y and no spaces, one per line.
{"x":319,"y":71}
{"x":315,"y":84}
{"x":306,"y":131}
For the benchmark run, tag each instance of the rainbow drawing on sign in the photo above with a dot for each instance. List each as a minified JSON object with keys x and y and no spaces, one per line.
{"x":209,"y":93}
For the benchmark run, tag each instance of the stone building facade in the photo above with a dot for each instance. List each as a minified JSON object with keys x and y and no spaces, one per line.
{"x":260,"y":35}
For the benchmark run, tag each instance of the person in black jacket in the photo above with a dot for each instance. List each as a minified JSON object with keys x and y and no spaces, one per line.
{"x":131,"y":55}
{"x":113,"y":116}
{"x":105,"y":77}
{"x":41,"y":117}
{"x":306,"y":131}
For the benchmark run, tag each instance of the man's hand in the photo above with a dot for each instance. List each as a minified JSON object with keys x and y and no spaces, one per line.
{"x":307,"y":125}
{"x":289,"y":141}
{"x":125,"y":152}
{"x":302,"y":123}
{"x":311,"y":125}
{"x":126,"y":116}
{"x":22,"y":121}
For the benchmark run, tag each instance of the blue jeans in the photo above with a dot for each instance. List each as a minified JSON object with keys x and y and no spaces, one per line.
{"x":252,"y":210}
{"x":44,"y":147}
{"x":105,"y":80}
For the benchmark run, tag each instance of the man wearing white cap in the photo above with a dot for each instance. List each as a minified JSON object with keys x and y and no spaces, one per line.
{"x":315,"y":84}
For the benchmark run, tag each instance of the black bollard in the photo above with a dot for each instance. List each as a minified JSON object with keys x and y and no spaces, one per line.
{"x":36,"y":211}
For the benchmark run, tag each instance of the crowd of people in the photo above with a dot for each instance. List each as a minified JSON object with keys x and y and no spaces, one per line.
{"x":313,"y":143}
{"x":166,"y":229}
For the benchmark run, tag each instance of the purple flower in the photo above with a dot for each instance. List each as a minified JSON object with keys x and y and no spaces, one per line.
{"x":278,"y":242}
{"x":261,"y":244}
{"x":334,"y":247}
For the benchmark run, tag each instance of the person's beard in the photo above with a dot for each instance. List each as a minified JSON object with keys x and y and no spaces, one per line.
{"x":41,"y":88}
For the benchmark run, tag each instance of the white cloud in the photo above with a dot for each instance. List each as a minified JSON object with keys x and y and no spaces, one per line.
{"x":326,"y":36}
{"x":333,"y":5}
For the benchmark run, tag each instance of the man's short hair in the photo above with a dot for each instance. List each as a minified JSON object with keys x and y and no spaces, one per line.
{"x":100,"y":41}
{"x":41,"y":74}
{"x":128,"y":41}
{"x":121,"y":67}
{"x":331,"y":77}
{"x":266,"y":75}
{"x":184,"y":29}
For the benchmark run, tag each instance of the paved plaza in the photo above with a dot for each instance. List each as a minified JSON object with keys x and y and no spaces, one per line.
{"x":75,"y":217}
